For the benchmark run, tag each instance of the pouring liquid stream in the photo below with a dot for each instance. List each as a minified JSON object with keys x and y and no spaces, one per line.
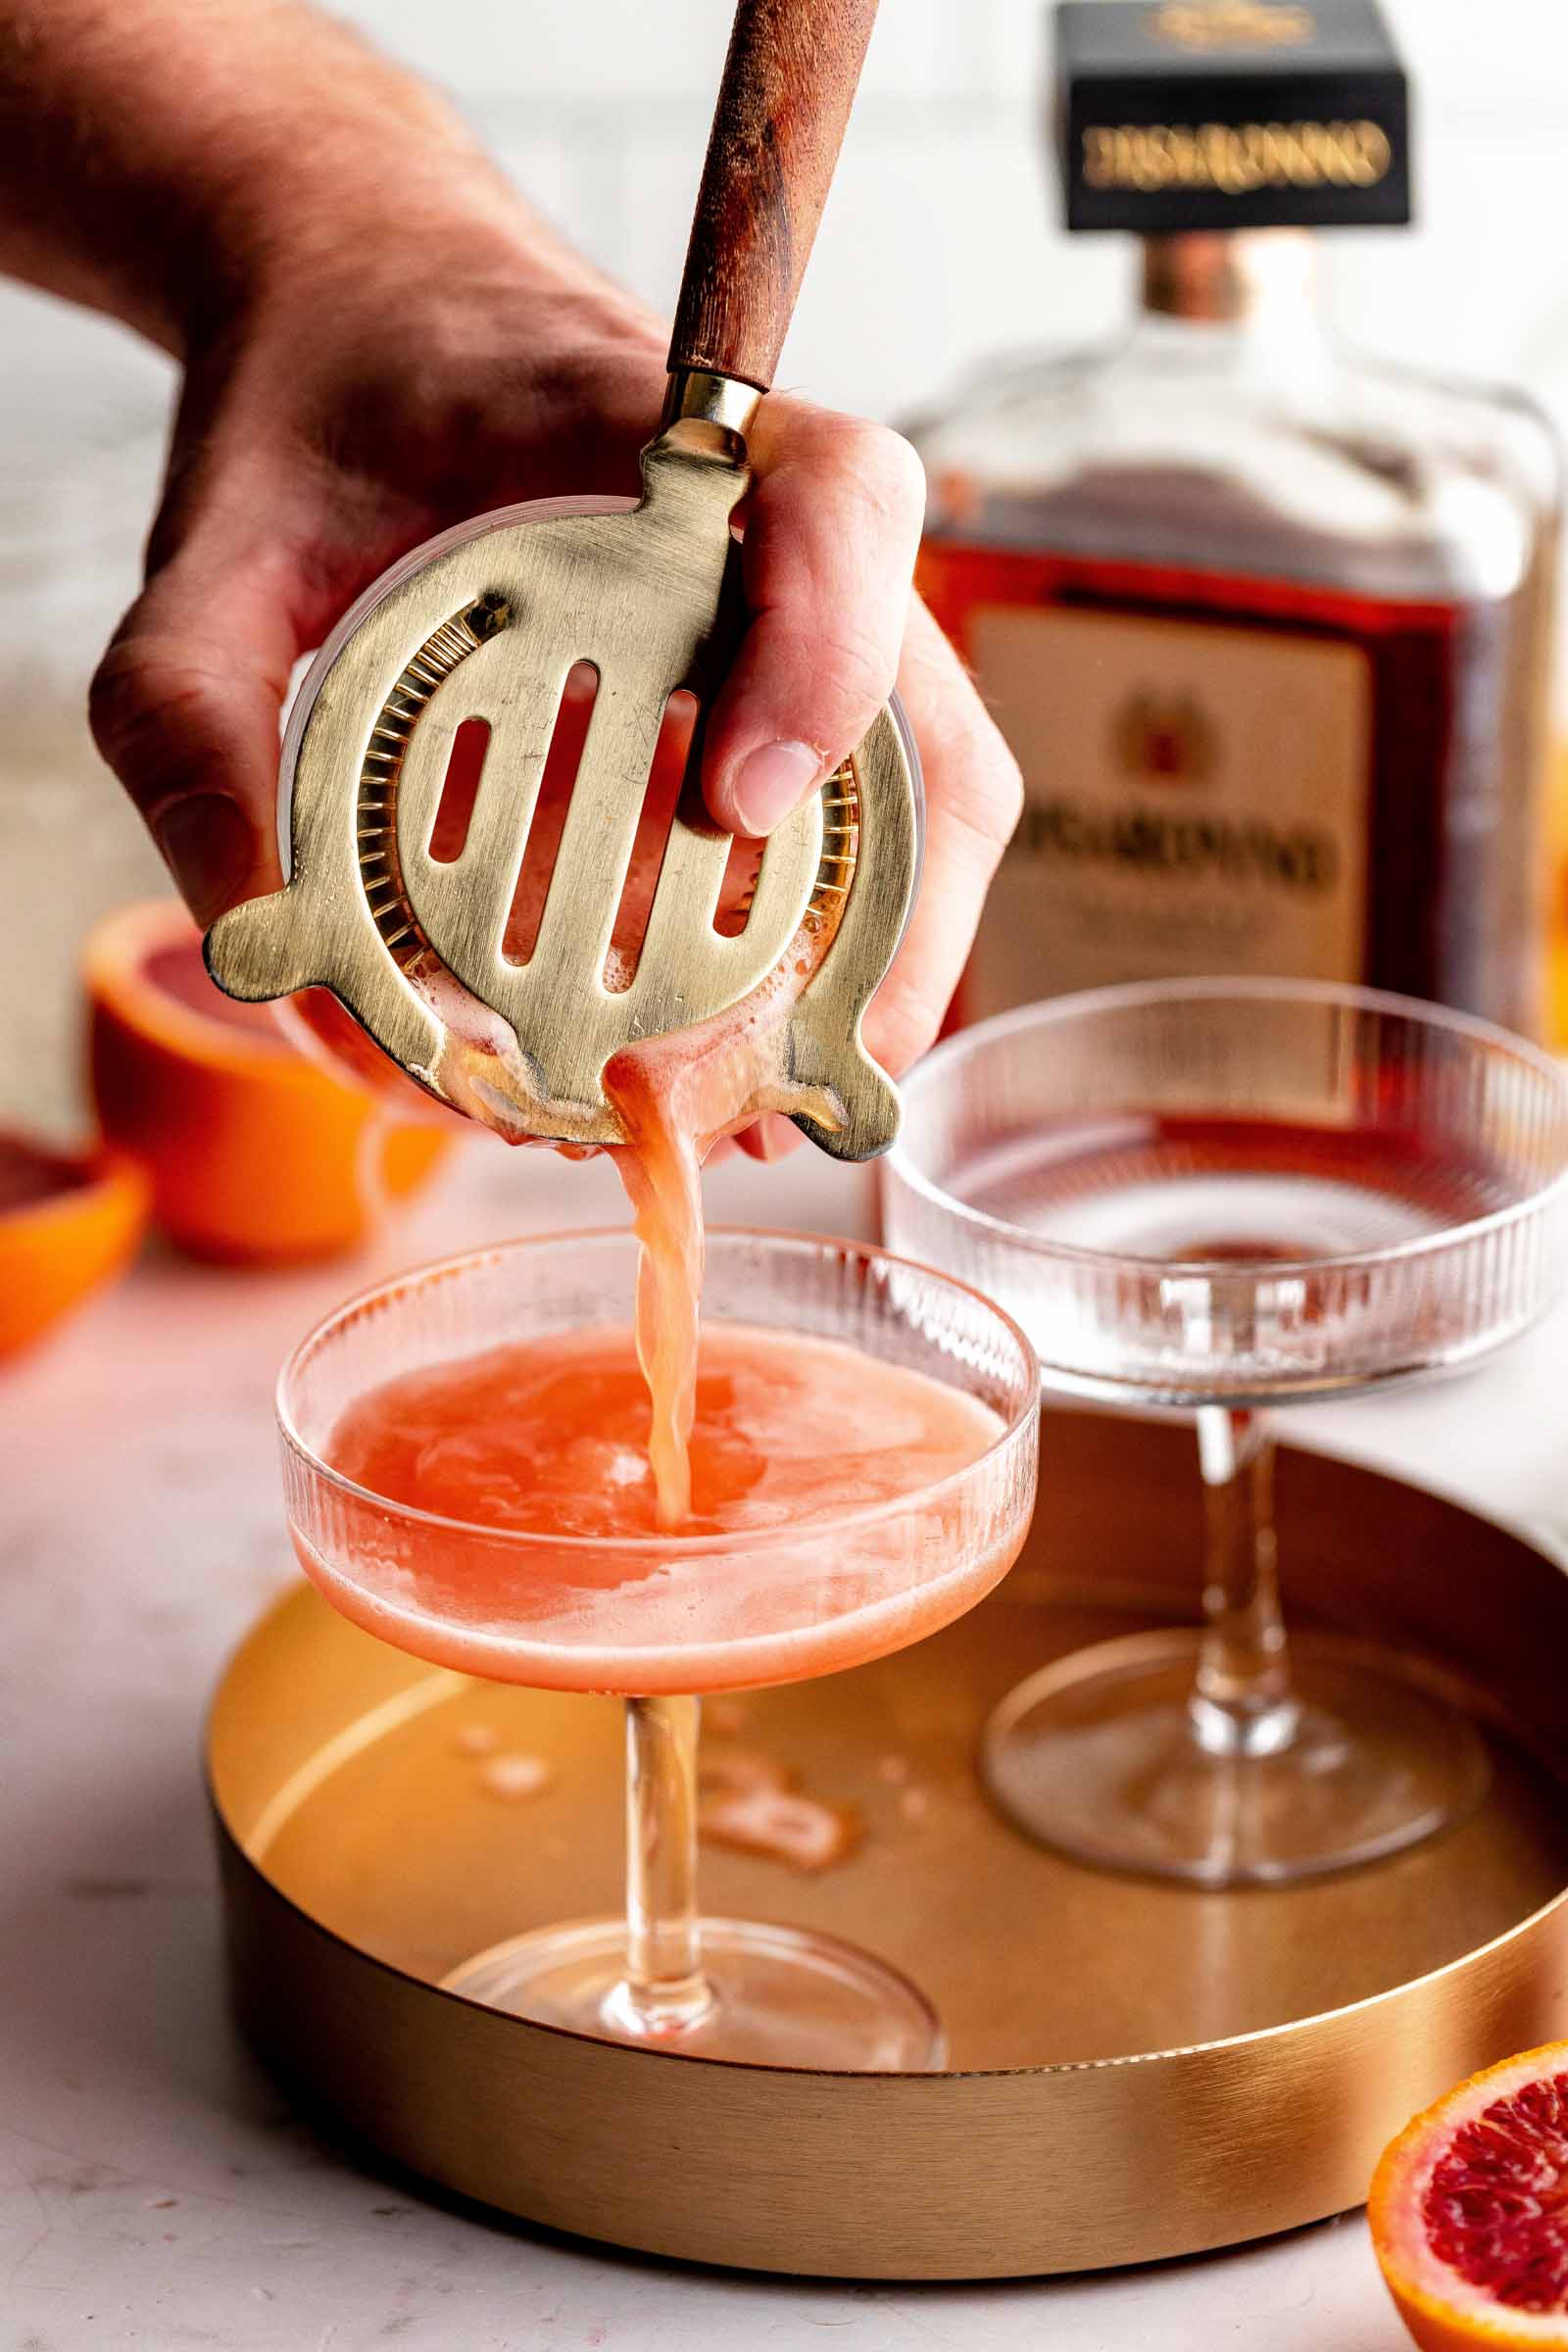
{"x":618,"y":1433}
{"x":675,"y":1097}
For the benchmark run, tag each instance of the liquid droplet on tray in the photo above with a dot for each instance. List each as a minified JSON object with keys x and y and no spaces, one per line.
{"x":780,"y":1825}
{"x":475,"y":1739}
{"x":515,"y":1775}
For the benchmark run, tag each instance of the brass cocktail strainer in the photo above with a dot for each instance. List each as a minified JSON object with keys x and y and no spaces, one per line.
{"x":486,"y":624}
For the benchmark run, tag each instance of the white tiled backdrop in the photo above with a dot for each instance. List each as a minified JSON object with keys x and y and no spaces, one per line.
{"x":940,"y":243}
{"x":939,"y":240}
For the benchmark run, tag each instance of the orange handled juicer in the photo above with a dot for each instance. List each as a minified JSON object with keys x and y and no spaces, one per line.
{"x":487,"y":622}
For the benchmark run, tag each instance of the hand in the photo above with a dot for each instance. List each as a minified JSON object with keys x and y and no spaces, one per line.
{"x":831,"y":532}
{"x":371,"y":385}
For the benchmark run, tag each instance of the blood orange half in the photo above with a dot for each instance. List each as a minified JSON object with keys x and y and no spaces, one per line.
{"x":255,"y":1153}
{"x":1469,"y":2211}
{"x":68,"y":1222}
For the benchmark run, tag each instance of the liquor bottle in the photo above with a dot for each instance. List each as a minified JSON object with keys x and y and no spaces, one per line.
{"x":1265,"y":621}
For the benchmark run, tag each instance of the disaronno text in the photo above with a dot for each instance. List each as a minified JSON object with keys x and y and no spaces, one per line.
{"x":1147,"y":841}
{"x":1234,"y":157}
{"x":1230,"y":25}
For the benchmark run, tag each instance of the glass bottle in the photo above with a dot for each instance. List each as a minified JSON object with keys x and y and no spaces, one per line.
{"x":1267,"y":622}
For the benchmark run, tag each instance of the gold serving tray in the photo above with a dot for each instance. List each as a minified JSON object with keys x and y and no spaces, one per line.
{"x":1135,"y":2071}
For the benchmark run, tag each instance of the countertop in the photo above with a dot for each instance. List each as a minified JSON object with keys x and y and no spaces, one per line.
{"x":156,"y":2190}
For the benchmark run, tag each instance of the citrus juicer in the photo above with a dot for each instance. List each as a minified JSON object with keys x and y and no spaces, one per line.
{"x":487,"y":622}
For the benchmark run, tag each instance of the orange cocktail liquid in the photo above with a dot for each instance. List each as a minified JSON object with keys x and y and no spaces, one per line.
{"x":795,"y":1443}
{"x":670,"y":1509}
{"x":744,"y":1440}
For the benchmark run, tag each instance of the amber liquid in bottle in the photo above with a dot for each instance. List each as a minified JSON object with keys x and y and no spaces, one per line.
{"x":1266,"y":628}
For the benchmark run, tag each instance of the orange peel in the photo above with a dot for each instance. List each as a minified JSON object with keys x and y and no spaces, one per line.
{"x":255,"y":1153}
{"x":70,"y":1222}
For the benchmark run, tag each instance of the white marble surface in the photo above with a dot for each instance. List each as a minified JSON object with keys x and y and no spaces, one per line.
{"x":155,"y":2191}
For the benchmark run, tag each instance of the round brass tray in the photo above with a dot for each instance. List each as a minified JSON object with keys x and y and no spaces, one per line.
{"x":1135,"y":2071}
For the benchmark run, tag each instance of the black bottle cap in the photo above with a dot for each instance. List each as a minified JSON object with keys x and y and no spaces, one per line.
{"x":1178,"y":115}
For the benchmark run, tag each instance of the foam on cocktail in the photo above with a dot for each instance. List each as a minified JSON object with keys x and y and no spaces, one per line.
{"x":796,"y":1443}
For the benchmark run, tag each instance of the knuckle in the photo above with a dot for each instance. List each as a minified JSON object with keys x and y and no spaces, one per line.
{"x":149,"y":705}
{"x":986,"y":803}
{"x":886,"y":475}
{"x":1003,"y":795}
{"x":117,"y":697}
{"x":895,"y":464}
{"x":867,"y":461}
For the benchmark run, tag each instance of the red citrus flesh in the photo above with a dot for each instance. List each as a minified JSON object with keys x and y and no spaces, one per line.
{"x":1469,"y":2210}
{"x":1494,"y":2206}
{"x":28,"y":1174}
{"x":70,"y":1222}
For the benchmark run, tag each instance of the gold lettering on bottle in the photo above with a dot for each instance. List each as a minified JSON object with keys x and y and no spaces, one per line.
{"x":1235,"y":159}
{"x":1230,"y":25}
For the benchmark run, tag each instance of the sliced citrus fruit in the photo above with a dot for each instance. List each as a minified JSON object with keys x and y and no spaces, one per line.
{"x":68,"y":1221}
{"x":255,"y":1153}
{"x":1469,"y":2211}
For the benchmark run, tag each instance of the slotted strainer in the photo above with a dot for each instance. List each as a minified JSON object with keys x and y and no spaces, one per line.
{"x":487,"y":622}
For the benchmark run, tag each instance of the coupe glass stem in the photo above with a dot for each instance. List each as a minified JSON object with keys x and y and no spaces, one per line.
{"x":1242,"y":1703}
{"x":664,"y":1987}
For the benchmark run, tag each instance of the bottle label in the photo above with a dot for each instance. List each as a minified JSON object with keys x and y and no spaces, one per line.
{"x":1196,"y":802}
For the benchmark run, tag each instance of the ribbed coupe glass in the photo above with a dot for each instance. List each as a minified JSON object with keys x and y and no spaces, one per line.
{"x":659,"y":1618}
{"x":1224,"y":1194}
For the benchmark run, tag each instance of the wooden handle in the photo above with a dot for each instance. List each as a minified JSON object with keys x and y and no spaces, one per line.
{"x":789,"y":82}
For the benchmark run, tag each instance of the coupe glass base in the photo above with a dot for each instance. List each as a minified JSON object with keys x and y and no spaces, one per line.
{"x":779,"y":1996}
{"x":1097,"y":1757}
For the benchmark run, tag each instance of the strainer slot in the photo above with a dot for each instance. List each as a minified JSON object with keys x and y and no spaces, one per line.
{"x":460,"y":789}
{"x":667,"y":782}
{"x":542,"y":848}
{"x":739,"y":887}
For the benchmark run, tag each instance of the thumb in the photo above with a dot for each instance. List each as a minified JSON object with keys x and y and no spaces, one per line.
{"x":185,"y":706}
{"x":832,"y":524}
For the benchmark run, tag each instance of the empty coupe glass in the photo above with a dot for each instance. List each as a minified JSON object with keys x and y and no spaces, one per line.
{"x":1224,"y":1194}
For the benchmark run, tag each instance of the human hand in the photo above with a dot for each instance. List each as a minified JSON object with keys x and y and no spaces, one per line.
{"x":370,"y":384}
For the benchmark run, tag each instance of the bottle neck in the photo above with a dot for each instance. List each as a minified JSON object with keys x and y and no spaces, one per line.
{"x":1246,"y":301}
{"x":1252,"y":278}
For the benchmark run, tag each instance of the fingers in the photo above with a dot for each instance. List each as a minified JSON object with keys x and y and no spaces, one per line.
{"x":831,"y":531}
{"x":772,"y":1137}
{"x":973,"y":796}
{"x":185,"y":706}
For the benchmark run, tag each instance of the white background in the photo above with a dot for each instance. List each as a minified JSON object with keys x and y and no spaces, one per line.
{"x":941,"y":241}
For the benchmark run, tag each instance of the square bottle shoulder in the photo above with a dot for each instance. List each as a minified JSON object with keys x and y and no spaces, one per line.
{"x":1200,"y":446}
